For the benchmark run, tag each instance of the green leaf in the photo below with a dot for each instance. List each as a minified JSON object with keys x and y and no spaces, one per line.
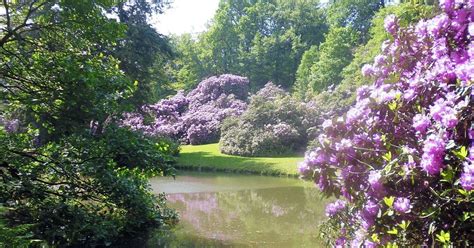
{"x":463,"y":192}
{"x":404,"y":225}
{"x":392,"y":105}
{"x":387,"y":156}
{"x":466,"y":216}
{"x":443,"y":237}
{"x":394,"y":231}
{"x":418,"y":107}
{"x":447,"y":174}
{"x":461,"y":153}
{"x":389,"y":201}
{"x":392,"y":245}
{"x":375,"y":238}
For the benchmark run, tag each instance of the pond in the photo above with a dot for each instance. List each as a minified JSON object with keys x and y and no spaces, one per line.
{"x":222,"y":210}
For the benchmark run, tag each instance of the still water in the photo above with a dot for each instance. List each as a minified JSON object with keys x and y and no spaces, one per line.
{"x":222,"y":210}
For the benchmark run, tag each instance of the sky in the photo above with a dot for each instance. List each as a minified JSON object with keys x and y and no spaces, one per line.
{"x":185,"y":16}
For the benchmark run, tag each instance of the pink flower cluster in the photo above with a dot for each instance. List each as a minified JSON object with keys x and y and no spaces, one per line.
{"x":400,"y":150}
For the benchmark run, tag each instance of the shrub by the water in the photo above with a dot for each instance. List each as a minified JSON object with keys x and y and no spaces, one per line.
{"x":274,"y":124}
{"x":401,"y":159}
{"x":194,"y":118}
{"x":83,"y":190}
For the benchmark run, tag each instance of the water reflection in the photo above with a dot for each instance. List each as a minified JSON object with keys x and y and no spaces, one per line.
{"x":271,"y":212}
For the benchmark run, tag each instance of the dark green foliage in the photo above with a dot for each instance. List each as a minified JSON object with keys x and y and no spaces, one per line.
{"x":19,"y":236}
{"x":356,"y":14}
{"x":135,"y":150}
{"x":55,"y":69}
{"x":77,"y":191}
{"x":143,"y":52}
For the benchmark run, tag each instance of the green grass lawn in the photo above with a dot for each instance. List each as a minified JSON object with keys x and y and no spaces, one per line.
{"x":209,"y":158}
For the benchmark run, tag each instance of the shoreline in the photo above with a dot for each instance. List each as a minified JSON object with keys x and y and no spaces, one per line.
{"x":208,"y":158}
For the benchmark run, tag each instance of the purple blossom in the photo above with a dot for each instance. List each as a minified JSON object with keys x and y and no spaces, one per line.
{"x":369,"y":244}
{"x":439,"y":48}
{"x":467,"y":176}
{"x":391,"y":24}
{"x":303,"y":168}
{"x":371,"y":208}
{"x":446,"y":5}
{"x":421,"y":123}
{"x":438,"y":24}
{"x":335,"y":207}
{"x":340,"y":242}
{"x":433,"y":154}
{"x":367,"y":70}
{"x":442,"y":111}
{"x":284,"y":131}
{"x":326,"y":124}
{"x":194,"y":118}
{"x":271,"y":91}
{"x":375,"y":181}
{"x":402,"y":205}
{"x":379,"y":60}
{"x":316,"y":157}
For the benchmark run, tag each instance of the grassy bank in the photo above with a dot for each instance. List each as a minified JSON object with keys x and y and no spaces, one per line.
{"x":209,"y":158}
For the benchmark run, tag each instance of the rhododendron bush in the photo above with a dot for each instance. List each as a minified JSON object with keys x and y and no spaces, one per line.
{"x":273,"y":124}
{"x":194,"y":118}
{"x":400,"y":161}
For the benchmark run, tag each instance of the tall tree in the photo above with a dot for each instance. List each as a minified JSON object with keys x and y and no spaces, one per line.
{"x":52,"y":65}
{"x":356,"y":14}
{"x":143,"y":51}
{"x":334,"y":54}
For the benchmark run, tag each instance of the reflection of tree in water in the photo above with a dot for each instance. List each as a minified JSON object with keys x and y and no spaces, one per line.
{"x":283,"y":216}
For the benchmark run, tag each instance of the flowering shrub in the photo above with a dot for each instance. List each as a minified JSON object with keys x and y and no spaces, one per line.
{"x":274,"y":124}
{"x":401,"y":158}
{"x":194,"y":118}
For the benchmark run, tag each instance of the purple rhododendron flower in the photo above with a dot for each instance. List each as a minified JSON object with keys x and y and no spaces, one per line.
{"x":467,"y":176}
{"x":340,"y":242}
{"x":391,"y":24}
{"x":367,"y":70}
{"x":421,"y":123}
{"x":335,"y":207}
{"x":375,"y":180}
{"x":402,"y":205}
{"x":433,"y":154}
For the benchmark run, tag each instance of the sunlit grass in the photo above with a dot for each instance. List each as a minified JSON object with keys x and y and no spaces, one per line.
{"x":209,"y":158}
